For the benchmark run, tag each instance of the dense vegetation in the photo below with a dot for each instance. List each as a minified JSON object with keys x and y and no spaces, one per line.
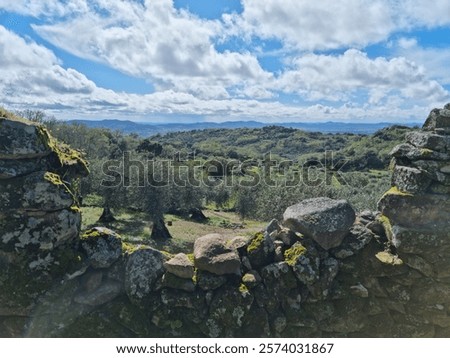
{"x":255,"y":172}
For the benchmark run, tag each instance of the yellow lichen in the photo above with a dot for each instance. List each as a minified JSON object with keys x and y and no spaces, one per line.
{"x":243,"y":288}
{"x":292,"y":254}
{"x":256,"y":242}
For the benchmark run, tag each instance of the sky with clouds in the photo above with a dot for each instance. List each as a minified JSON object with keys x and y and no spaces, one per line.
{"x":221,"y":60}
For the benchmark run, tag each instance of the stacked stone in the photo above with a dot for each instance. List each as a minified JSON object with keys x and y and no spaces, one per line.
{"x":39,"y":217}
{"x":416,"y":217}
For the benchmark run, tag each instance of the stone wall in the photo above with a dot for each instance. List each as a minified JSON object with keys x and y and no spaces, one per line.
{"x":323,"y":271}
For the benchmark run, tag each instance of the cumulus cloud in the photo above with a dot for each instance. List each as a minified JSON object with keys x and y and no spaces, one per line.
{"x":312,"y":25}
{"x":44,"y":8}
{"x":27,"y":68}
{"x":329,"y":24}
{"x":337,"y":77}
{"x":435,"y":60}
{"x":172,"y":48}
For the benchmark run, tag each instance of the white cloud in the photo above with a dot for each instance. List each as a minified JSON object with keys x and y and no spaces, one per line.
{"x":38,"y":8}
{"x":311,"y":25}
{"x":172,"y":48}
{"x":329,"y":24}
{"x":435,"y":60}
{"x":27,"y":68}
{"x":337,"y":78}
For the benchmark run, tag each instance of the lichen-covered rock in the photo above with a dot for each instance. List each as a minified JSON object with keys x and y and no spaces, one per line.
{"x":421,"y":210}
{"x":212,"y":254}
{"x":22,"y":139}
{"x":227,"y":311}
{"x":412,"y":153}
{"x":261,"y":250}
{"x":411,"y":180}
{"x":102,"y":246}
{"x":438,"y":118}
{"x":45,"y":230}
{"x":144,"y":267}
{"x":428,"y":140}
{"x":208,"y":281}
{"x":358,"y":237}
{"x":180,"y":265}
{"x":304,"y":263}
{"x":325,"y":220}
{"x":172,"y":281}
{"x":39,"y":191}
{"x":251,"y":279}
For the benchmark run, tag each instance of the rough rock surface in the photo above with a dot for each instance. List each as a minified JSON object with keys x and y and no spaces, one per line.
{"x":325,"y":220}
{"x":144,"y":268}
{"x":102,"y":246}
{"x":180,"y":265}
{"x":212,"y":254}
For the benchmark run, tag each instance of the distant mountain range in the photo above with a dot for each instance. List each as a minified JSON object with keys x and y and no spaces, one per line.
{"x":149,"y":129}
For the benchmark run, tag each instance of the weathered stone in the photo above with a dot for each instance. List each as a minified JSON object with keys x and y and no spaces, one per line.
{"x":304,"y":263}
{"x":238,"y":243}
{"x":273,"y":226}
{"x":416,"y":240}
{"x":412,"y":153}
{"x":172,"y":281}
{"x":288,"y":237}
{"x":410,"y":180}
{"x":227,"y":311}
{"x":20,"y":167}
{"x":45,"y":230}
{"x":251,"y":279}
{"x":261,"y":250}
{"x":358,"y":237}
{"x":40,"y":191}
{"x":180,"y":265}
{"x":418,"y":211}
{"x":428,"y":140}
{"x":435,"y":170}
{"x":22,"y":139}
{"x":143,"y":269}
{"x":325,"y":220}
{"x":209,"y":281}
{"x":438,"y":118}
{"x":102,"y":246}
{"x":212,"y":254}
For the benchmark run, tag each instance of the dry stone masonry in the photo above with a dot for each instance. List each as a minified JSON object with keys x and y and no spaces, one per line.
{"x":323,"y":271}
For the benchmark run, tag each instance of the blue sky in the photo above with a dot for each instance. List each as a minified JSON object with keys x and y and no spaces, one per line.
{"x":202,"y":60}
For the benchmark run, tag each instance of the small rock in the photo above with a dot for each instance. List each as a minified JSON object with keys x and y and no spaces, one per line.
{"x":172,"y":281}
{"x":273,"y":226}
{"x":143,"y":269}
{"x":102,"y":246}
{"x":251,"y":279}
{"x":212,"y":254}
{"x":90,"y":281}
{"x":261,"y":249}
{"x":209,"y":281}
{"x":180,"y":265}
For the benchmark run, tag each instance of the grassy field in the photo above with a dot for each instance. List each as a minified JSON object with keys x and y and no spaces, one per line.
{"x":135,"y":227}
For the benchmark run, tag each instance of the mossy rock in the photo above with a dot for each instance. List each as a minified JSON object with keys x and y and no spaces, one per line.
{"x":102,"y":246}
{"x":261,"y":250}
